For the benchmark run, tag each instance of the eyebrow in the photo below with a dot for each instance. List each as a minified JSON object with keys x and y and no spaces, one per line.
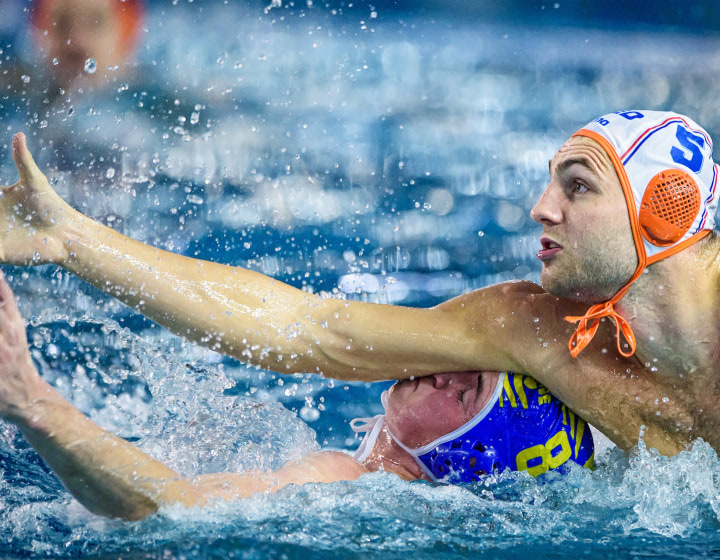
{"x":564,"y":165}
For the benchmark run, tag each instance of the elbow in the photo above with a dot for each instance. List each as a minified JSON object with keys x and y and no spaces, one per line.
{"x":137,"y":514}
{"x":343,"y":358}
{"x":135,"y":510}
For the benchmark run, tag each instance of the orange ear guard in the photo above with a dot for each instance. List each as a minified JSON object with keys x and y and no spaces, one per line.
{"x":669,"y":206}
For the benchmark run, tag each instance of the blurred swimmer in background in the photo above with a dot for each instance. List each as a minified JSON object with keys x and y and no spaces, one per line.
{"x":87,"y":44}
{"x":82,"y":100}
{"x":454,"y":427}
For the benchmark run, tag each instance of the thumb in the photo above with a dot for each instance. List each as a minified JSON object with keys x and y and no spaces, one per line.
{"x":23,"y":159}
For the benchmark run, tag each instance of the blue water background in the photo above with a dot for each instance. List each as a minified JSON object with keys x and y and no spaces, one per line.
{"x":377,"y":152}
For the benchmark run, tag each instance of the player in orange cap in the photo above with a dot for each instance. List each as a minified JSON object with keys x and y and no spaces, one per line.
{"x":627,"y":230}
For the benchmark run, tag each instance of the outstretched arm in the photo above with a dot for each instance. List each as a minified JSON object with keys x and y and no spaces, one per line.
{"x":238,"y":312}
{"x":107,"y":474}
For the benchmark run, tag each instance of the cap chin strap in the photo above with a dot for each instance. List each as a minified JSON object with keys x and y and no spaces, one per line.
{"x":372,"y":428}
{"x":588,"y":325}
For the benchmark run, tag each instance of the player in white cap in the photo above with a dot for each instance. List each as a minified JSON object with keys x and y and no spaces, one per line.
{"x":627,"y":220}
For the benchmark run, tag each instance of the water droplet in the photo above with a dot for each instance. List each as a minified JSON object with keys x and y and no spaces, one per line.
{"x":70,"y":111}
{"x":90,"y":66}
{"x":481,"y":233}
{"x":25,"y":78}
{"x":110,"y":173}
{"x":195,"y":118}
{"x":309,"y":414}
{"x":55,"y":61}
{"x":123,"y":87}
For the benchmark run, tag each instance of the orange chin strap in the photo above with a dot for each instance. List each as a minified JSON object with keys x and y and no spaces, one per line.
{"x":588,"y":323}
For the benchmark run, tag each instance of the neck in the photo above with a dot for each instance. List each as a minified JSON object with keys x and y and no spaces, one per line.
{"x":671,"y":310}
{"x":388,"y":456}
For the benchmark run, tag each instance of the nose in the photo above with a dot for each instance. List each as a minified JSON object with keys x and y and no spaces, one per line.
{"x":547,"y":209}
{"x":443,"y":380}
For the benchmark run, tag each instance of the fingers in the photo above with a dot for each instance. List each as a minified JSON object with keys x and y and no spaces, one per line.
{"x":23,"y":159}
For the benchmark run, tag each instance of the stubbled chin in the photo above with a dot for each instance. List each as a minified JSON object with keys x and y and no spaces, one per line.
{"x":572,"y":293}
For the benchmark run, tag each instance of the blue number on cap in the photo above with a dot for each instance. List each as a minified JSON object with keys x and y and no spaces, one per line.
{"x":693,"y":143}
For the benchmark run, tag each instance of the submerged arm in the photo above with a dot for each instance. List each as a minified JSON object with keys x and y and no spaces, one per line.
{"x":107,"y":474}
{"x":113,"y":478}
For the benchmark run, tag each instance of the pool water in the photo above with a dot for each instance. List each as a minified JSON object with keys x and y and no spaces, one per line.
{"x":387,"y":157}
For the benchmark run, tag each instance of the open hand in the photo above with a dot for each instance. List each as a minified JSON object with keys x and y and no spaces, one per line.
{"x":32,"y":214}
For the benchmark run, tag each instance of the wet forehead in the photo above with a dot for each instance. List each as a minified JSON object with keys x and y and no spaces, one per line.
{"x":586,"y":152}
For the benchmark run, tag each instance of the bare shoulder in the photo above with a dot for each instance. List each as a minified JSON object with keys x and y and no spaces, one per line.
{"x":323,"y":466}
{"x":521,"y":307}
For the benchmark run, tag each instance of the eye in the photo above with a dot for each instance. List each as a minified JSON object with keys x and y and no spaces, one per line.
{"x":579,"y":188}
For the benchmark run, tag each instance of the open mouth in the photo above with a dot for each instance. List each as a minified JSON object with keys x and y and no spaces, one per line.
{"x":549,"y":248}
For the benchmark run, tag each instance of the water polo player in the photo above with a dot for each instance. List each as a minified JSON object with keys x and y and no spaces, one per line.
{"x":627,"y":224}
{"x":452,"y":427}
{"x":72,"y":32}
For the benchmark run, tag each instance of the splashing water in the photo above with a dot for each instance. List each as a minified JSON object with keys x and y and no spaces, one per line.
{"x":177,"y":412}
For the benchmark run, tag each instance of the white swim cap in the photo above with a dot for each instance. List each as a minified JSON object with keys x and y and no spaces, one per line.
{"x":665,"y":166}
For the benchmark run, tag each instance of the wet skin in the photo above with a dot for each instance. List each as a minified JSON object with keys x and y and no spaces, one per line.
{"x":588,"y":254}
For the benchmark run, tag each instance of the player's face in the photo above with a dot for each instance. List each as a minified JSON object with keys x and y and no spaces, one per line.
{"x":79,"y":30}
{"x":587,"y":251}
{"x":421,"y":410}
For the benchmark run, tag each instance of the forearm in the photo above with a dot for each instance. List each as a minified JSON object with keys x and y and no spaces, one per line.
{"x":108,"y":475}
{"x":260,"y":320}
{"x":235,"y":311}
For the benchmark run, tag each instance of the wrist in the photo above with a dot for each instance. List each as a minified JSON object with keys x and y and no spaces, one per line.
{"x":37,"y":407}
{"x":73,"y":236}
